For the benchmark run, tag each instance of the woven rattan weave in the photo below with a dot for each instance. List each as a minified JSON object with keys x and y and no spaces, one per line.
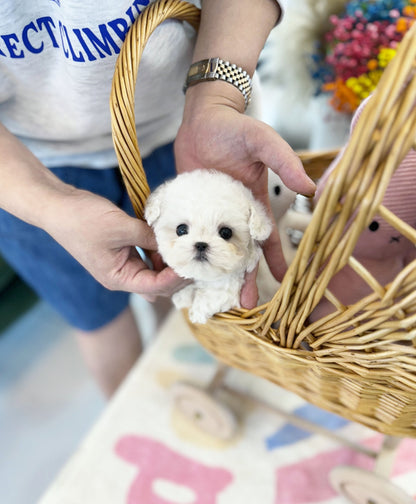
{"x":359,"y":362}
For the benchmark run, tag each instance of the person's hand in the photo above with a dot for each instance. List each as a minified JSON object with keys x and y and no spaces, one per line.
{"x":103,"y":239}
{"x":215,"y":135}
{"x":95,"y":232}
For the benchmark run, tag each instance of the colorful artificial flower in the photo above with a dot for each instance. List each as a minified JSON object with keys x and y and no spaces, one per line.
{"x":359,"y":46}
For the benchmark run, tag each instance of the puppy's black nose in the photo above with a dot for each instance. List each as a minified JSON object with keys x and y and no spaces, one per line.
{"x":201,"y":246}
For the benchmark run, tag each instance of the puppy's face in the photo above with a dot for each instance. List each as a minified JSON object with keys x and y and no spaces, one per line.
{"x":203,"y":245}
{"x":207,"y":225}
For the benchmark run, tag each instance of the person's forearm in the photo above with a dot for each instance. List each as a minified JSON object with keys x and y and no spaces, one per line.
{"x":235,"y":30}
{"x":28,"y":189}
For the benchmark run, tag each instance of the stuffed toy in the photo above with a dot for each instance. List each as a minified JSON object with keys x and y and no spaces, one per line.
{"x":291,"y":221}
{"x":291,"y":213}
{"x":381,"y":249}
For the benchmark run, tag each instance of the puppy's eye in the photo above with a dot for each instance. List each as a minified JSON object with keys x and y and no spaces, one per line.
{"x":182,"y":229}
{"x":277,"y":190}
{"x":225,"y":233}
{"x":374,"y":226}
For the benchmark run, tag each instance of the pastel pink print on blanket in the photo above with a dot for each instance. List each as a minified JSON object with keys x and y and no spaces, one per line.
{"x":156,"y":462}
{"x":307,"y":481}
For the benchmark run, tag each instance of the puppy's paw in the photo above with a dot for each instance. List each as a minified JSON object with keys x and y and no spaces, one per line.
{"x":184,"y":297}
{"x":198,"y":315}
{"x":208,"y":301}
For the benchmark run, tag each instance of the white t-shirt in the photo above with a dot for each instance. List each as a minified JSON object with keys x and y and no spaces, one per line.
{"x":57,"y":59}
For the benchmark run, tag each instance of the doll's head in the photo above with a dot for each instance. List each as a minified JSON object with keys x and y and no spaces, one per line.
{"x":281,"y":197}
{"x":380,"y":240}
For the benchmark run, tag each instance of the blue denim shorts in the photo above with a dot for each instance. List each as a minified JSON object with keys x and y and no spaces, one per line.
{"x":53,"y":273}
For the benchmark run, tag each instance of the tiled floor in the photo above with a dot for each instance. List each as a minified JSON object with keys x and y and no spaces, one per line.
{"x":47,"y":400}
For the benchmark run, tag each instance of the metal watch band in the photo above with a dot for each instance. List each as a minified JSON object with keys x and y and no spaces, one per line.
{"x":218,"y":69}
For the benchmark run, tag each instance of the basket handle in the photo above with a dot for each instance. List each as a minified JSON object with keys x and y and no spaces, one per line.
{"x":122,"y":101}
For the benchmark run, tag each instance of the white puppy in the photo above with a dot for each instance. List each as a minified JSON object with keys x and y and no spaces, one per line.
{"x":208,"y":227}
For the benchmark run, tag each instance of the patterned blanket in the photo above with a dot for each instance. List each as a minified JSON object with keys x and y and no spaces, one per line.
{"x":144,"y":450}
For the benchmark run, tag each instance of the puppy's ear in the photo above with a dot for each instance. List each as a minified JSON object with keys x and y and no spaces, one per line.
{"x":153,"y":206}
{"x":259,"y":223}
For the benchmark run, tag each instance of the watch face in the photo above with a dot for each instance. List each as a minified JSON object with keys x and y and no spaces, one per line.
{"x":195,"y":70}
{"x":215,"y":68}
{"x":202,"y":70}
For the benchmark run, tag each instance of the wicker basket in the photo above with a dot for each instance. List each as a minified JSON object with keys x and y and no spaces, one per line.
{"x":367,"y":374}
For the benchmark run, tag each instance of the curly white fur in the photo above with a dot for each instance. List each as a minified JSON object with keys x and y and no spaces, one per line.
{"x":208,"y":227}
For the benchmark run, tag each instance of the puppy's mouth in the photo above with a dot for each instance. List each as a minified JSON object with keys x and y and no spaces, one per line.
{"x":201,"y":252}
{"x":201,"y":257}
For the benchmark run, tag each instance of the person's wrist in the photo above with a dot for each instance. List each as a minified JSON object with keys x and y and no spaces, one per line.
{"x":217,"y":69}
{"x":60,"y":205}
{"x":213,"y":93}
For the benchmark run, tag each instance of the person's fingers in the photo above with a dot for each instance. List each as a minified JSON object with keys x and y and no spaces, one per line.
{"x":273,"y":254}
{"x":269,"y":147}
{"x":163,"y":283}
{"x":157,"y":261}
{"x":249,"y":292}
{"x":139,"y":234}
{"x":133,"y":275}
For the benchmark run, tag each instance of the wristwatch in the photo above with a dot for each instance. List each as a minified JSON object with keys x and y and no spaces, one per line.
{"x":217,"y":69}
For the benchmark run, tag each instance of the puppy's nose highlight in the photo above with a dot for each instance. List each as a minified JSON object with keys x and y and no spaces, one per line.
{"x":201,"y":246}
